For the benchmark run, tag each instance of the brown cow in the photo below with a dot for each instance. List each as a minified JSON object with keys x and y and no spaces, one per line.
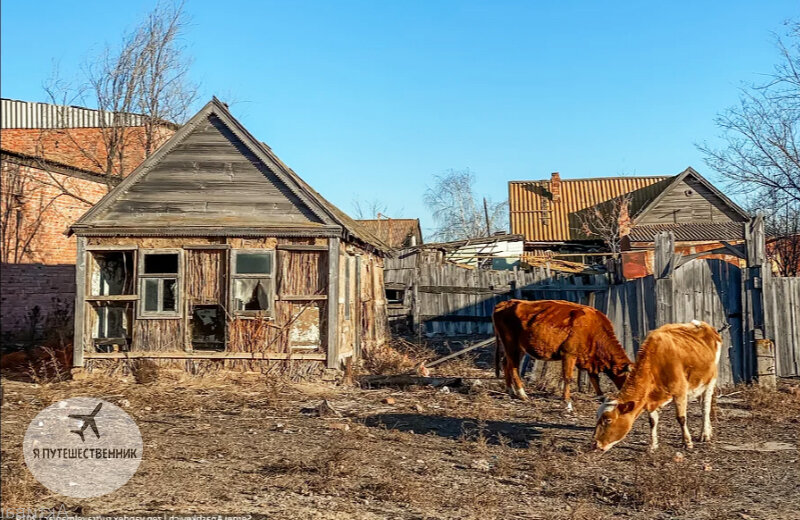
{"x":677,"y":361}
{"x":554,"y":330}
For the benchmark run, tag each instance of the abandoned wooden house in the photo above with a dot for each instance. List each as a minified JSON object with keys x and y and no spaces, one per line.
{"x":551,"y":213}
{"x":214,"y":252}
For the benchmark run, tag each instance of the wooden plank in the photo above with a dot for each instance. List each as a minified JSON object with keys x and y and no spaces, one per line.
{"x":195,"y":354}
{"x":111,"y":247}
{"x":80,"y":304}
{"x":301,"y":297}
{"x":301,"y":247}
{"x":333,"y":303}
{"x":113,"y":298}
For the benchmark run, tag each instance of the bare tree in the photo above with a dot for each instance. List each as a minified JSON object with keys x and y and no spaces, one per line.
{"x":369,"y":209}
{"x":139,"y":87}
{"x":608,"y":221}
{"x":23,"y":206}
{"x":783,"y":241}
{"x":761,"y":151}
{"x":457,"y":211}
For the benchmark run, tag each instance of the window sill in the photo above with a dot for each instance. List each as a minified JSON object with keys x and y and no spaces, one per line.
{"x":176,"y":316}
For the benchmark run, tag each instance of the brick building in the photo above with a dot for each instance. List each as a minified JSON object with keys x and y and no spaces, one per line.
{"x":54,"y":166}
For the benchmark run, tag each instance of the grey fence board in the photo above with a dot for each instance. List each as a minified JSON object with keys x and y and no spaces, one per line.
{"x":783,"y":307}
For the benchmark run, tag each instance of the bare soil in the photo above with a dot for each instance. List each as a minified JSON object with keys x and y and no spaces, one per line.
{"x":217,"y":446}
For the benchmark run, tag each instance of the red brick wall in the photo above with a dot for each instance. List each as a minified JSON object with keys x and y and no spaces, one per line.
{"x":82,"y":148}
{"x":38,"y":270}
{"x":38,"y":259}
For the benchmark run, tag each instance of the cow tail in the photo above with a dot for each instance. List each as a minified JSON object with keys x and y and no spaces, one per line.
{"x":497,"y":345}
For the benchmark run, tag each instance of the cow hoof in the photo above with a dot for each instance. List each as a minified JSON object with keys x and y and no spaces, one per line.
{"x":653,"y":448}
{"x":689,"y":445}
{"x":570,"y":407}
{"x":706,"y":437}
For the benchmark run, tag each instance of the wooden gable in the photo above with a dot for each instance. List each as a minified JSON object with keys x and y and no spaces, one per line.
{"x":209,"y":178}
{"x":690,"y":199}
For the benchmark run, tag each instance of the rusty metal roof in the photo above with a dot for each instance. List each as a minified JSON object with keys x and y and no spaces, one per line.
{"x":690,"y":232}
{"x":537,"y":215}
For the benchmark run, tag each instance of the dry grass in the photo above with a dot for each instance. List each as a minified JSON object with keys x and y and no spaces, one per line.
{"x":774,"y":406}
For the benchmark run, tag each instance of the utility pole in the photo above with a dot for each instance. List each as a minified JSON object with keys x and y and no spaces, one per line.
{"x":486,"y":214}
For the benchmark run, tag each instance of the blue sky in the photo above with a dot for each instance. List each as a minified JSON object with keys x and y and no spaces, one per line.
{"x":371,"y":99}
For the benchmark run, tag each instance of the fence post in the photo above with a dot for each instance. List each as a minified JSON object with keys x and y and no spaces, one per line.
{"x":756,"y":281}
{"x":664,"y":262}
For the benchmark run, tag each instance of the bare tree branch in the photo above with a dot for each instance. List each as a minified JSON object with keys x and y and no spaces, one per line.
{"x":456,"y":210}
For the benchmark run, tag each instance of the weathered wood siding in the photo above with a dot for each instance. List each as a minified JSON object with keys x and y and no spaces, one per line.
{"x":690,"y":202}
{"x":208,"y":178}
{"x":782,"y":308}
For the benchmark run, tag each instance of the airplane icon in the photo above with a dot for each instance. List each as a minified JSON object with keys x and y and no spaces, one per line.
{"x":88,"y":420}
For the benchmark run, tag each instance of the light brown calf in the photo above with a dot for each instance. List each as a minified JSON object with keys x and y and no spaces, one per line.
{"x":676,"y":362}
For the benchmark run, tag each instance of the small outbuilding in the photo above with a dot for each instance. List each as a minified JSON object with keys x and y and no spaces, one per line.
{"x":214,"y":253}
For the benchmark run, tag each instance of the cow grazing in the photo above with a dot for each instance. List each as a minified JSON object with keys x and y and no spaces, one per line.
{"x":553,"y":330}
{"x":675,"y":362}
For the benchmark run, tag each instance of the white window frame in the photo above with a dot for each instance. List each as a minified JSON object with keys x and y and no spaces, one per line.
{"x":233,"y":276}
{"x":143,"y":277}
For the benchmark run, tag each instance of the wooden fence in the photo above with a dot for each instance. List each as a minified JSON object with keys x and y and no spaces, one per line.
{"x":731,"y":290}
{"x":782,"y":306}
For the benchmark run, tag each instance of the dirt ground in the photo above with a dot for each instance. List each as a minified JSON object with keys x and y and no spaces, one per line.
{"x":215,"y":446}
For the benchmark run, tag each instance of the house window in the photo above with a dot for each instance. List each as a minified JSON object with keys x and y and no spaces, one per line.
{"x":395,"y":295}
{"x":159,"y":284}
{"x":252,"y":285}
{"x":111,"y":273}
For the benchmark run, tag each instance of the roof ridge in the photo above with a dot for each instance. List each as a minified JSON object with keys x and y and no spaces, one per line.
{"x":601,"y":178}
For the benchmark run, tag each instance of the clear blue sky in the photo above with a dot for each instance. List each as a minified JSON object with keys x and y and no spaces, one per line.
{"x":370,"y":99}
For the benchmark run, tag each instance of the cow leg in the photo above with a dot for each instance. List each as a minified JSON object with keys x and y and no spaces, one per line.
{"x":654,"y":430}
{"x":708,"y":396}
{"x":567,"y":369}
{"x":513,"y":382}
{"x":595,"y":379}
{"x":680,"y":410}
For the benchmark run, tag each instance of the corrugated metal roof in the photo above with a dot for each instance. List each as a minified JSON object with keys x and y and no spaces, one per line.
{"x":690,"y":232}
{"x":29,"y":114}
{"x":537,"y":216}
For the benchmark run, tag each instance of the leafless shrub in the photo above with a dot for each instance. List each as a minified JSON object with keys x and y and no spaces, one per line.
{"x":145,"y":371}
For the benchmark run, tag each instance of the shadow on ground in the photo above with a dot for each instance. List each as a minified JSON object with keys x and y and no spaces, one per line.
{"x":519,"y":434}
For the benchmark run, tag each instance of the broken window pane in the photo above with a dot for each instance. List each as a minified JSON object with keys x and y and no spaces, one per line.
{"x":111,"y":326}
{"x":208,"y":327}
{"x":254,"y":263}
{"x":161,"y":263}
{"x":112,"y":273}
{"x":251,"y":294}
{"x":151,"y":294}
{"x":169,"y":295}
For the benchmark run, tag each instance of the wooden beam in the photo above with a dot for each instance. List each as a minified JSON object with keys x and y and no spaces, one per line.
{"x":664,"y":271}
{"x":80,"y":304}
{"x":301,"y":247}
{"x":198,"y":354}
{"x":333,"y":302}
{"x":113,"y":298}
{"x":301,"y":297}
{"x":457,"y":353}
{"x":207,"y":247}
{"x":111,"y":247}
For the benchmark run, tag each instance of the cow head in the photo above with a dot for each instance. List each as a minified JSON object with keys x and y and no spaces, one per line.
{"x":614,"y":421}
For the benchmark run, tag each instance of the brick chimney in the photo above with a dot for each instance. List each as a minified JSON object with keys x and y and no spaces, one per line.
{"x":555,"y":186}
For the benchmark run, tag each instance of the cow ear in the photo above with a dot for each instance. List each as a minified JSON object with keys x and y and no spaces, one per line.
{"x":626,"y":407}
{"x":628,"y":369}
